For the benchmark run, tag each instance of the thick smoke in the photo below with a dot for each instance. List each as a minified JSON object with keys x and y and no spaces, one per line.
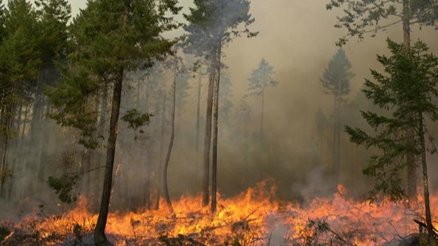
{"x":298,"y":39}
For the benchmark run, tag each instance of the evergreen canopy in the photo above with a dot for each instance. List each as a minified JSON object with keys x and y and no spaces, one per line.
{"x":405,"y":91}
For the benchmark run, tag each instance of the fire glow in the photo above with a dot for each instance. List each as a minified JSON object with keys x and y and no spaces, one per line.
{"x":252,"y":218}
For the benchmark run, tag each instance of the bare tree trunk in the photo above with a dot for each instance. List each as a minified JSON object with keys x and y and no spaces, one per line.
{"x":172,"y":138}
{"x":101,"y":129}
{"x":163,"y":123}
{"x":215,"y":130}
{"x":4,"y":172}
{"x":198,"y":112}
{"x":207,"y":136}
{"x":99,"y":231}
{"x":7,"y":124}
{"x":262,"y":115}
{"x":410,"y":158}
{"x":336,"y":139}
{"x":425,"y":180}
{"x":23,"y":130}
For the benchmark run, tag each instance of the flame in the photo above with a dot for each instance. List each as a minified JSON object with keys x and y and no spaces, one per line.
{"x":252,"y":218}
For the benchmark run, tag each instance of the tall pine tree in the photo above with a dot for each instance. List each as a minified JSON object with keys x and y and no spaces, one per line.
{"x":370,"y":17}
{"x":336,"y":80}
{"x":407,"y":106}
{"x":111,"y":38}
{"x":19,"y":65}
{"x":260,"y":79}
{"x":212,"y":25}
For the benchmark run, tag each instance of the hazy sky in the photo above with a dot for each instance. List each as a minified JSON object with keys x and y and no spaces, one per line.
{"x":78,"y":4}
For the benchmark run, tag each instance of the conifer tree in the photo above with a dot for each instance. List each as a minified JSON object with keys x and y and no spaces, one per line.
{"x":111,"y":38}
{"x":212,"y":25}
{"x":360,"y":18}
{"x":19,"y":66}
{"x":260,"y":79}
{"x":407,"y":106}
{"x":336,"y":80}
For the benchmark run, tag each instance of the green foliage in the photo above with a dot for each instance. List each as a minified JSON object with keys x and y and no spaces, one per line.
{"x":261,"y":78}
{"x":362,"y":17}
{"x":406,"y":91}
{"x":136,"y":119}
{"x":108,"y":38}
{"x":213,"y":22}
{"x":64,"y":187}
{"x":20,"y":59}
{"x":54,"y":16}
{"x":19,"y":52}
{"x":336,"y":78}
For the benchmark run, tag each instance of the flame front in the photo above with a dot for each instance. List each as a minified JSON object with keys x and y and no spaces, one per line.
{"x":252,"y":218}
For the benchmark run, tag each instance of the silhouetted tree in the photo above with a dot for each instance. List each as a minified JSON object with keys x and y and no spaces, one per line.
{"x":336,"y":80}
{"x":260,"y":79}
{"x":213,"y":24}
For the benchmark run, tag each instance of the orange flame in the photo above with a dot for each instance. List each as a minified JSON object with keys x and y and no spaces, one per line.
{"x":252,"y":218}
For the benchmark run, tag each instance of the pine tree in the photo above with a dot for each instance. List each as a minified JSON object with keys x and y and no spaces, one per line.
{"x":213,"y":24}
{"x":336,"y":80}
{"x":111,"y":38}
{"x":370,"y":17}
{"x":260,"y":79}
{"x":54,"y":16}
{"x":407,"y":106}
{"x":19,"y":64}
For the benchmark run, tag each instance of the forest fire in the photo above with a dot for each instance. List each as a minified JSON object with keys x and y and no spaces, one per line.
{"x":252,"y":218}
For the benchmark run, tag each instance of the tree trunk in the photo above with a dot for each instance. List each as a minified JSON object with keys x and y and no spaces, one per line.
{"x":410,"y":158}
{"x":23,"y":130}
{"x":198,"y":129}
{"x":198,"y":112}
{"x":336,"y":139}
{"x":7,"y":123}
{"x":215,"y":129}
{"x":425,"y":180}
{"x":172,"y":138}
{"x":163,"y":123}
{"x":99,"y":231}
{"x":262,"y":115}
{"x":207,"y":136}
{"x":102,"y":128}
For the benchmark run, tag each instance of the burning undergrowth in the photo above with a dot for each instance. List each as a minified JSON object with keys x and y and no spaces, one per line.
{"x":253,"y":218}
